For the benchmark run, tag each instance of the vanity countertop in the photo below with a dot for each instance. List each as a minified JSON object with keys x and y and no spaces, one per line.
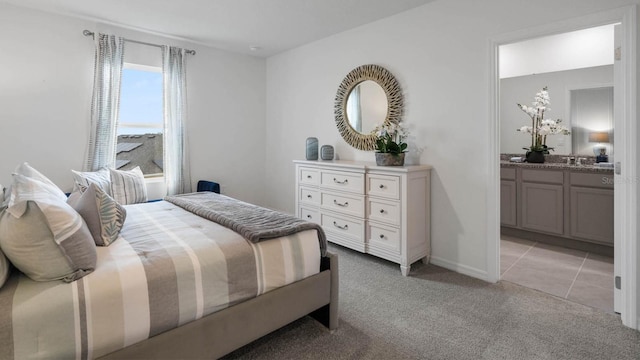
{"x":556,"y":166}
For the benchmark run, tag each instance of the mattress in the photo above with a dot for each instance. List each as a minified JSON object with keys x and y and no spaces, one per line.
{"x":169,"y":267}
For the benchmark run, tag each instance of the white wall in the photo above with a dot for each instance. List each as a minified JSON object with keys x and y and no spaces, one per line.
{"x":46,"y":74}
{"x":439,"y":54}
{"x":522,"y":89}
{"x":572,"y":50}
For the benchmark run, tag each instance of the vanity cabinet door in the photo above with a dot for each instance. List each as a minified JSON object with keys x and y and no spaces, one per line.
{"x":542,"y":207}
{"x":592,"y":214}
{"x":508,"y":203}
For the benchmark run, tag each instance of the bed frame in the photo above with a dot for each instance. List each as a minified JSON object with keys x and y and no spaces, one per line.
{"x":222,"y":332}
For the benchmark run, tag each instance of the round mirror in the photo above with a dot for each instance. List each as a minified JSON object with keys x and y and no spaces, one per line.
{"x":366,"y":106}
{"x":368,"y":96}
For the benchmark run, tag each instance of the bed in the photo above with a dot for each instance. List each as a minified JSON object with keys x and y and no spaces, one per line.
{"x":173,"y":285}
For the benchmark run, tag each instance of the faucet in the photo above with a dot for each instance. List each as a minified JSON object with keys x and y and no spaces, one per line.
{"x":571,"y":160}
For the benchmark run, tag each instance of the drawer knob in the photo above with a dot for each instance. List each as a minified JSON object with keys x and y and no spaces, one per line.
{"x":309,"y":196}
{"x":381,"y":236}
{"x":381,"y":186}
{"x":308,"y":216}
{"x":381,"y":211}
{"x":345,"y":204}
{"x":308,"y":176}
{"x":340,"y":182}
{"x":345,"y":227}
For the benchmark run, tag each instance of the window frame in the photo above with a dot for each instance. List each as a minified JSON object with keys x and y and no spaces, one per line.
{"x":148,"y":68}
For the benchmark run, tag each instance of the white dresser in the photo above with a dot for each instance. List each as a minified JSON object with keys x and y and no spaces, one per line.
{"x":378,"y":210}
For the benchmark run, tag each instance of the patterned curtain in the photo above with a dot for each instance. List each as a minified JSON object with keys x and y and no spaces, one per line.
{"x":176,"y":162}
{"x":105,"y":103}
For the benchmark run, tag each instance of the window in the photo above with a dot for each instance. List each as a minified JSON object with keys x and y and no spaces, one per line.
{"x":140,"y":123}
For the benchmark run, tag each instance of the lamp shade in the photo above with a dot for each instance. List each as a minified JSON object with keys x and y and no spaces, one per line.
{"x":599,"y":137}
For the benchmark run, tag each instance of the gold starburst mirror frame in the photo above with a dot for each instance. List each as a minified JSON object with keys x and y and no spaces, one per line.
{"x":395,"y":102}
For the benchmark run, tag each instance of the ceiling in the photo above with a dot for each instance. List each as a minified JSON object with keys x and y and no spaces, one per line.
{"x":272,"y":26}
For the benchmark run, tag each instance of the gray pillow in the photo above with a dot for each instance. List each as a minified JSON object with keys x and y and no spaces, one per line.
{"x":42,"y":235}
{"x":103,"y":215}
{"x":128,"y":187}
{"x":30,"y":245}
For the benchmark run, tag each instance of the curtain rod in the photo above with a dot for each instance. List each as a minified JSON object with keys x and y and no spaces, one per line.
{"x":90,"y":33}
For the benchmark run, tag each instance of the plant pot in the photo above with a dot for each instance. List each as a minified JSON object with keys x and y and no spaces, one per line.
{"x":535,"y":157}
{"x":389,"y":159}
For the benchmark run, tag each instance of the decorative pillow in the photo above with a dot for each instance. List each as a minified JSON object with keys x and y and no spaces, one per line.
{"x":128,"y":187}
{"x":100,"y":178}
{"x":103,"y":215}
{"x":44,"y":237}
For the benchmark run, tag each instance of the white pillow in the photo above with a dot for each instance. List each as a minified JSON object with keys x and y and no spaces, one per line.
{"x":128,"y":186}
{"x":100,"y":178}
{"x":26,"y":170}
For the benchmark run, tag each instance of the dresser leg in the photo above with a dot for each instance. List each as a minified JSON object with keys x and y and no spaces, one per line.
{"x":405,"y":270}
{"x":425,"y":260}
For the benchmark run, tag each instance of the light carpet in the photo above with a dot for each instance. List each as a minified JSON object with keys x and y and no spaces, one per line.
{"x":438,"y":314}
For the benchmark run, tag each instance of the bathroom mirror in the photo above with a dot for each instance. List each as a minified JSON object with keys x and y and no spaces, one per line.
{"x":368,"y":96}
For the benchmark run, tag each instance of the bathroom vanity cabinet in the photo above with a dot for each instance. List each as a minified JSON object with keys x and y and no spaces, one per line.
{"x":574,"y":202}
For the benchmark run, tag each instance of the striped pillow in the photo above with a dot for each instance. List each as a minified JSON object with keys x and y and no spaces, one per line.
{"x":103,"y":215}
{"x":100,"y":178}
{"x":128,"y":186}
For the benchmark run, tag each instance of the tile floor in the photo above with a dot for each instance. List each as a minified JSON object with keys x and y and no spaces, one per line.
{"x":576,"y":275}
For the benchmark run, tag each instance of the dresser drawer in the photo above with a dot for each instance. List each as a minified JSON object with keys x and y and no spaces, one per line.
{"x":349,"y":227}
{"x":309,"y":196}
{"x":345,"y":181}
{"x":308,"y":214}
{"x":384,"y":238}
{"x":308,"y":176}
{"x":350,"y":205}
{"x":383,"y":186}
{"x":384,"y":211}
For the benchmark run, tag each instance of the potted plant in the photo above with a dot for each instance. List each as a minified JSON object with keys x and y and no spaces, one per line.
{"x":390,"y":145}
{"x":540,"y":127}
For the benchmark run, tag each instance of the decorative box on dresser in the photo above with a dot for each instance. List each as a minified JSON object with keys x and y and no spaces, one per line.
{"x":378,"y":210}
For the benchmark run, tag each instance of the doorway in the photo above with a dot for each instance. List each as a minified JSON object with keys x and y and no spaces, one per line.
{"x":625,"y":148}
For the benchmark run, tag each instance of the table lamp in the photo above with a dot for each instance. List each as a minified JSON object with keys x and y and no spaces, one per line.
{"x":599,"y":149}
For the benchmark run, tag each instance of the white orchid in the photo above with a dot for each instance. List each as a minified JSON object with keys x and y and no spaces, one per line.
{"x":526,"y":129}
{"x":540,"y":127}
{"x":390,"y":138}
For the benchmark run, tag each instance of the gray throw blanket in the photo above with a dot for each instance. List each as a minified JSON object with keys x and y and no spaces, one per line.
{"x":253,"y":222}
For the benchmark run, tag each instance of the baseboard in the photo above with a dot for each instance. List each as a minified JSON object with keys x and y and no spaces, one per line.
{"x":459,"y":268}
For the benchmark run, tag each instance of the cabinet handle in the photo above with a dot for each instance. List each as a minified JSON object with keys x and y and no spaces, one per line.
{"x":345,"y":227}
{"x":309,"y":196}
{"x":308,"y":176}
{"x":381,"y":236}
{"x":340,"y":182}
{"x":381,"y":186}
{"x":308,"y":216}
{"x":346,"y":203}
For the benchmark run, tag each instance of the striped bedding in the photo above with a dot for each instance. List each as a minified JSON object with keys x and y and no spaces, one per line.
{"x":168,"y":267}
